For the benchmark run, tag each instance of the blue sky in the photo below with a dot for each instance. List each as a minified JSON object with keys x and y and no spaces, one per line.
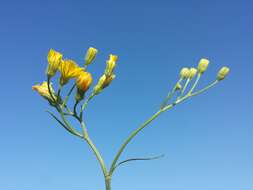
{"x":207,"y":140}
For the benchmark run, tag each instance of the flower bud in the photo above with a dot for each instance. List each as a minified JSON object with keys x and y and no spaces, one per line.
{"x":184,"y":73}
{"x":193,"y":72}
{"x":54,"y":60}
{"x":203,"y":64}
{"x":99,"y":87}
{"x":90,"y":55}
{"x":110,"y":64}
{"x":178,"y":86}
{"x":223,"y":72}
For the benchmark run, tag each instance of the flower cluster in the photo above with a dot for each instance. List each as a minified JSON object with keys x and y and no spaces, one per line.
{"x":69,"y":69}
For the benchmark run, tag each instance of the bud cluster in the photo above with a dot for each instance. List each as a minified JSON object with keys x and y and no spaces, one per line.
{"x":187,"y":75}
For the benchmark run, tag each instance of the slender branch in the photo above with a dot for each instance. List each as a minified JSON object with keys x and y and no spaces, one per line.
{"x":59,"y":93}
{"x":133,"y":134}
{"x":74,"y":109}
{"x":195,"y":83}
{"x":85,"y":105}
{"x":184,"y":88}
{"x":69,"y":93}
{"x":69,"y":125}
{"x":94,"y":149}
{"x":49,"y":90}
{"x":130,"y":138}
{"x":206,"y":88}
{"x":170,"y":94}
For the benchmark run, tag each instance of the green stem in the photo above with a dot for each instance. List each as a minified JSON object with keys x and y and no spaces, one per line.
{"x":195,"y":83}
{"x":170,"y":94}
{"x":94,"y":149}
{"x":69,"y":93}
{"x":49,"y":90}
{"x":108,"y":183}
{"x":130,"y":138}
{"x":69,"y":125}
{"x":206,"y":88}
{"x":184,"y":88}
{"x":85,"y":104}
{"x":59,"y":93}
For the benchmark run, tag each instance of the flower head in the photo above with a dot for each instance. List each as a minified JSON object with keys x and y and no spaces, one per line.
{"x":184,"y":73}
{"x":90,"y":55}
{"x":42,"y":89}
{"x":223,"y":72}
{"x":203,"y":64}
{"x":110,"y":64}
{"x":69,"y":69}
{"x":54,"y":60}
{"x":83,"y":81}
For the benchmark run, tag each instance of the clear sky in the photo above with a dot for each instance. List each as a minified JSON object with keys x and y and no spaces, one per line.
{"x":207,"y":141}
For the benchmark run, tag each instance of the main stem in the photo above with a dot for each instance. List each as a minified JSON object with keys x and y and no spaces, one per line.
{"x":108,"y":183}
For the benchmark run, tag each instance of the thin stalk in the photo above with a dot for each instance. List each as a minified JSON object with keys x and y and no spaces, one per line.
{"x":130,"y":138}
{"x":94,"y":149}
{"x":69,"y":125}
{"x":170,"y":94}
{"x":49,"y":90}
{"x":59,"y":93}
{"x":206,"y":88}
{"x":69,"y":93}
{"x":184,"y":88}
{"x":85,"y":105}
{"x":195,"y":83}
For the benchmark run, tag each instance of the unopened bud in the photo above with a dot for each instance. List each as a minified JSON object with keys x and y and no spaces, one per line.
{"x":193,"y":72}
{"x":178,"y":86}
{"x":99,"y":87}
{"x":223,"y":72}
{"x":90,"y":55}
{"x":203,"y":64}
{"x":110,"y":64}
{"x":184,"y":73}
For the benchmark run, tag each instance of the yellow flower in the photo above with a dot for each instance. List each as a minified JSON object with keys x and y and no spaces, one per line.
{"x":83,"y":81}
{"x":110,"y":64}
{"x":42,"y":89}
{"x":203,"y":64}
{"x":54,"y":60}
{"x":184,"y":73}
{"x":69,"y":69}
{"x":192,"y":73}
{"x":223,"y":72}
{"x":90,"y":55}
